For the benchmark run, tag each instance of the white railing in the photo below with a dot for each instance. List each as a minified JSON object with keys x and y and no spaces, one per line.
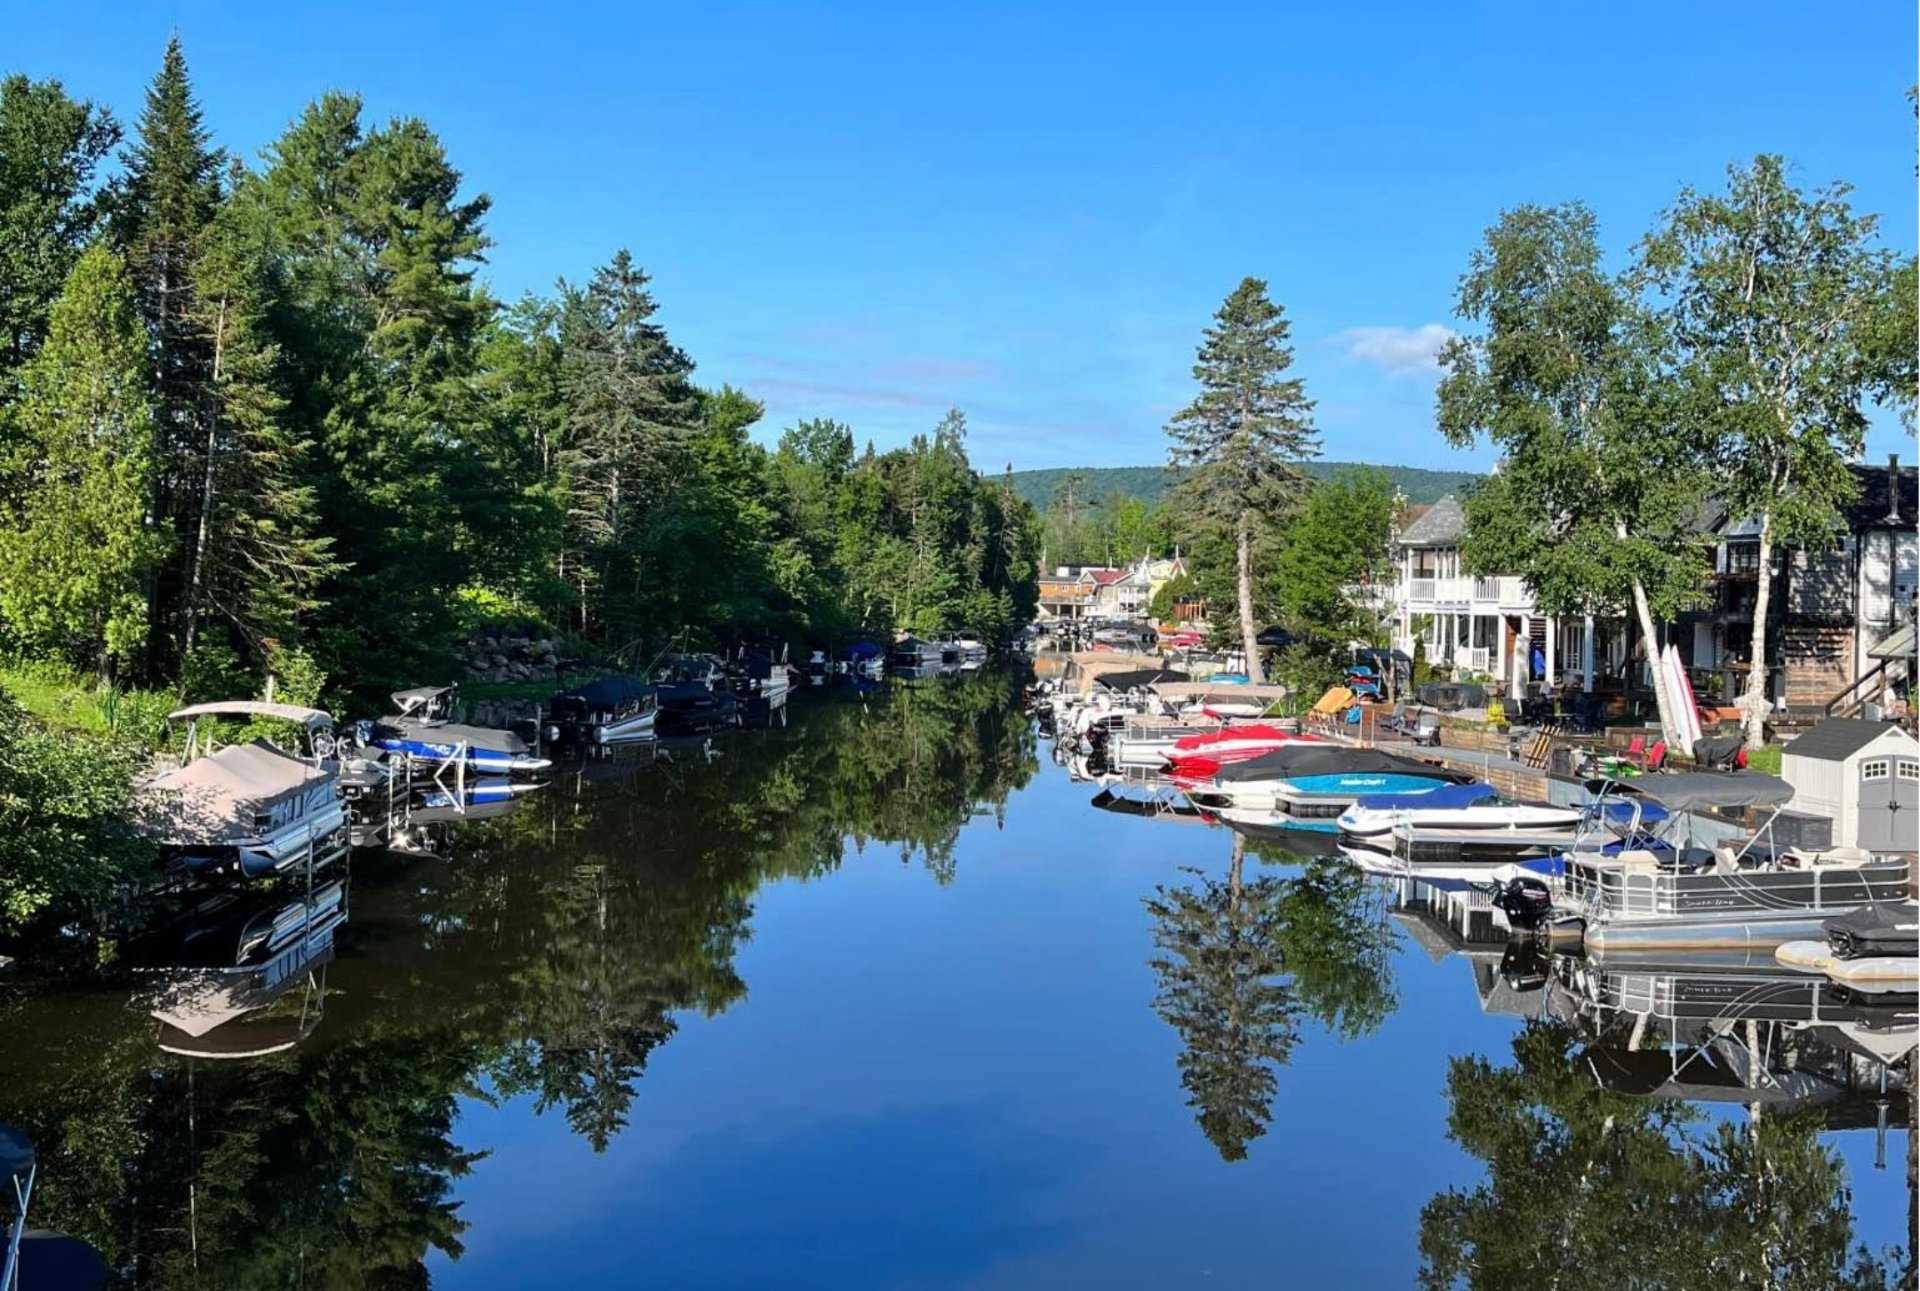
{"x":1473,"y":658}
{"x":1454,"y":591}
{"x":1420,"y":589}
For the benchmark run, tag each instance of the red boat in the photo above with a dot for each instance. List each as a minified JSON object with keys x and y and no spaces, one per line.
{"x":1199,"y":757}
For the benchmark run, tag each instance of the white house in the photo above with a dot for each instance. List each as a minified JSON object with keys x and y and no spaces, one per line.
{"x":1865,"y":776}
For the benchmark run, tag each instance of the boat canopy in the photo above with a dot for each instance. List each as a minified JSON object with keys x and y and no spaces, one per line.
{"x":1448,"y":796}
{"x":1694,"y":790}
{"x":419,"y":697}
{"x":1138,"y":678}
{"x":213,"y":799}
{"x":307,"y":717}
{"x":1306,"y":759}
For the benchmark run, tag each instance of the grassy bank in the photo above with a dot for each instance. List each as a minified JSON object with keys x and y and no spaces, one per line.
{"x":66,"y":701}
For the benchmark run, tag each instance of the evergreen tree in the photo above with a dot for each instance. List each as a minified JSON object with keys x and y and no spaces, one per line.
{"x":1239,"y":442}
{"x":50,"y":148}
{"x":630,"y":413}
{"x":252,"y":555}
{"x":75,"y":547}
{"x":169,"y":196}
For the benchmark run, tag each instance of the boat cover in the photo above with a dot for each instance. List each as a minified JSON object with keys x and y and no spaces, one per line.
{"x":490,"y":738}
{"x":610,"y":692}
{"x":1693,"y":790}
{"x":1138,"y":678}
{"x":1888,"y":929}
{"x":213,"y":799}
{"x":1303,"y":759}
{"x":1447,"y":796}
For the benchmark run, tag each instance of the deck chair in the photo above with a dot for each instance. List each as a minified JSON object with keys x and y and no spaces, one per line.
{"x":1636,"y":750}
{"x":1427,"y":730}
{"x":1396,"y":720}
{"x":1657,"y":755}
{"x":1539,"y":749}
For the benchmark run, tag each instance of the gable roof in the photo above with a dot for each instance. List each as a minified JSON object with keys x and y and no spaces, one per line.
{"x":1440,"y":525}
{"x":1104,"y":577}
{"x":1837,"y":739}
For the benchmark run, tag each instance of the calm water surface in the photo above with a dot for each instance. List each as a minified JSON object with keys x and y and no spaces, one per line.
{"x":877,"y":999}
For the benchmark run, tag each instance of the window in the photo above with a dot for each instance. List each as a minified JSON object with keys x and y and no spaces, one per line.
{"x":1909,"y":769}
{"x":1874,"y":769}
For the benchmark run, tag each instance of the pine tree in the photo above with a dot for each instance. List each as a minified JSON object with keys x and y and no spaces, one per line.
{"x":630,"y":413}
{"x":251,"y":555}
{"x":1238,"y":442}
{"x":75,"y":548}
{"x":169,"y":197}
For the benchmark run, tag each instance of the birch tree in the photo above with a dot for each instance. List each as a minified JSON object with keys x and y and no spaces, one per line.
{"x":1239,"y":443}
{"x":1774,"y":295}
{"x":1595,"y":491}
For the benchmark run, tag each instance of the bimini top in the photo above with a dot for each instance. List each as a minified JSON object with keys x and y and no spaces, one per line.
{"x":419,"y":697}
{"x":308,"y":717}
{"x":1304,"y":759}
{"x":1138,"y":678}
{"x":213,"y":799}
{"x":1447,"y":796}
{"x":1694,"y":790}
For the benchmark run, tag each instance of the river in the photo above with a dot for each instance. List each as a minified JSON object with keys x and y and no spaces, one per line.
{"x":874,"y":997}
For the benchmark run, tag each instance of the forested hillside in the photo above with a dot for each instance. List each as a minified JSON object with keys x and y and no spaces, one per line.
{"x":261,"y":415}
{"x":1150,"y":483}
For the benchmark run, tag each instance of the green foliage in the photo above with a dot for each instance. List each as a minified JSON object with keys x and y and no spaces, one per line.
{"x":50,"y":149}
{"x":64,"y":840}
{"x":75,"y":552}
{"x":1151,"y":484}
{"x":1339,"y":543}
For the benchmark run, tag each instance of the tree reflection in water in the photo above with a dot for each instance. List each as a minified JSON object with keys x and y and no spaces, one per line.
{"x":1242,"y":962}
{"x":1605,"y":1189}
{"x":546,"y":954}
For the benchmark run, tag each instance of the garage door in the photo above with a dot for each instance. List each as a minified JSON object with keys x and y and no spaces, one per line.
{"x":1890,"y":804}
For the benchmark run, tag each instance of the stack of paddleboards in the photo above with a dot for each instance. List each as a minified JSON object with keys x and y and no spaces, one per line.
{"x":1686,"y":713}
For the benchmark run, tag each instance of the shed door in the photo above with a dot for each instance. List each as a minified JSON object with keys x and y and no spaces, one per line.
{"x":1889,"y":804}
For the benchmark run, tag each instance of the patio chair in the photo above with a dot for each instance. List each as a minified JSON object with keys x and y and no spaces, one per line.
{"x":1427,"y":731}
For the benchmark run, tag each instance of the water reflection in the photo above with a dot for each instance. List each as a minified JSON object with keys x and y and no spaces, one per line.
{"x":541,"y":947}
{"x":1241,"y":962}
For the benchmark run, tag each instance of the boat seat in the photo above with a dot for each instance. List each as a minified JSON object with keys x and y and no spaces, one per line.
{"x":1689,"y":860}
{"x":1639,"y":861}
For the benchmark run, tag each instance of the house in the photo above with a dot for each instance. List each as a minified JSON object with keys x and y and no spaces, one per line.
{"x":1488,"y":625}
{"x":1071,"y":591}
{"x":1865,"y":776}
{"x":1829,"y":610}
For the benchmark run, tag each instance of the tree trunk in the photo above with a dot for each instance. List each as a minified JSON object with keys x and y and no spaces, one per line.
{"x":1662,"y":702}
{"x":1754,"y":705}
{"x":1249,"y":635}
{"x":212,"y":414}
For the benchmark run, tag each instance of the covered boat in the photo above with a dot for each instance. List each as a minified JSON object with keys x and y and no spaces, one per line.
{"x":1457,"y":824}
{"x":420,"y":730}
{"x":1728,"y":898}
{"x":246,"y":810}
{"x":611,"y":710}
{"x":1307,"y":786}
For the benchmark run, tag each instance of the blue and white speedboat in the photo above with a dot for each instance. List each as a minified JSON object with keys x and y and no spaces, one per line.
{"x":422,"y":732}
{"x":1307,"y":786}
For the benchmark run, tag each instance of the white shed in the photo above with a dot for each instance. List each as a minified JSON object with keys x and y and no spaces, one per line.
{"x":1865,"y":775}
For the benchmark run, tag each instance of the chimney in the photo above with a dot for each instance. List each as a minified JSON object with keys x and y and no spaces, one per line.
{"x":1893,"y":490}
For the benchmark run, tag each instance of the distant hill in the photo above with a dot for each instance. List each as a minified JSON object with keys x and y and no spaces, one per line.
{"x":1150,"y":482}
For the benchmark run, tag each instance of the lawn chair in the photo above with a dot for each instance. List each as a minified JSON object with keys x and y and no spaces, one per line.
{"x":1636,"y":751}
{"x":1396,"y":721}
{"x":1427,"y":730}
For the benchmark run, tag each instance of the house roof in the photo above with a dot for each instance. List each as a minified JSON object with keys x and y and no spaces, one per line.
{"x":1837,"y":739}
{"x":1103,"y":577}
{"x":1872,"y":508}
{"x":1440,"y":525}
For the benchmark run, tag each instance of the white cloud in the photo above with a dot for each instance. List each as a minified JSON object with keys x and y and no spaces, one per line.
{"x":1402,"y":351}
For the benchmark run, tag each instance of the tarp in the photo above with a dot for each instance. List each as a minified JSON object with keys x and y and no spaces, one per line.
{"x":1137,"y":678}
{"x":1336,"y":698}
{"x":1446,"y":796}
{"x":1892,"y":930}
{"x":213,"y":799}
{"x":609,"y":692}
{"x":1303,"y":759}
{"x":1695,"y":790}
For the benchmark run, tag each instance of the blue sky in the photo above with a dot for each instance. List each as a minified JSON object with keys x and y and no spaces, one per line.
{"x":875,"y":212}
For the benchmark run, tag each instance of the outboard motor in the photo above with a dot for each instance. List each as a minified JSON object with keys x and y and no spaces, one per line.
{"x":1526,"y":902}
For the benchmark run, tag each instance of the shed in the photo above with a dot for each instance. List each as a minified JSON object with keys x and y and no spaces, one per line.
{"x":1865,"y":775}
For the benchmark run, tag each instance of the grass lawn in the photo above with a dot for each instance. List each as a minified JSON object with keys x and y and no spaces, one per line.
{"x":1766,"y":761}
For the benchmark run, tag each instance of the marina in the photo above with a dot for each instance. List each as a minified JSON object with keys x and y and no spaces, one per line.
{"x":617,"y":1000}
